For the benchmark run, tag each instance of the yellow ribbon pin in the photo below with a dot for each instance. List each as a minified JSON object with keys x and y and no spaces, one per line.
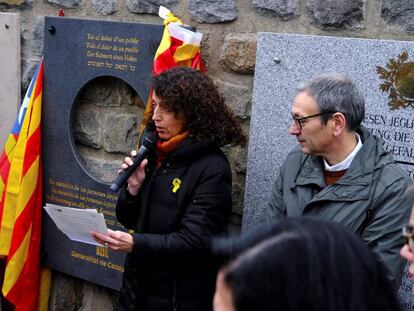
{"x":176,"y":183}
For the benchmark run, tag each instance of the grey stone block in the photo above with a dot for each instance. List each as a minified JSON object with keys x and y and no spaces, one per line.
{"x":206,"y":48}
{"x":28,"y":68}
{"x":128,"y":96}
{"x":212,"y":11}
{"x":399,"y":13}
{"x":121,"y":133}
{"x":238,"y":98}
{"x":239,"y":53}
{"x":103,"y":170}
{"x":66,"y":293}
{"x":285,"y":9}
{"x":38,"y":35}
{"x":66,"y":3}
{"x":337,"y":13}
{"x":104,"y":7}
{"x":26,"y":33}
{"x":237,"y":195}
{"x":240,"y":160}
{"x":148,"y":6}
{"x":87,"y":127}
{"x":103,"y":92}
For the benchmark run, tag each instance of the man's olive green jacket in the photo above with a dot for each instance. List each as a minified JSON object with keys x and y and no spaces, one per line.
{"x":369,"y":198}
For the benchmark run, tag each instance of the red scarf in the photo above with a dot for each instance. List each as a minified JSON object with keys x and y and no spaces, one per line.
{"x":165,"y":147}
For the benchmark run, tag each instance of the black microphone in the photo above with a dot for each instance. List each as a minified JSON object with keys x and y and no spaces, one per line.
{"x":148,"y":145}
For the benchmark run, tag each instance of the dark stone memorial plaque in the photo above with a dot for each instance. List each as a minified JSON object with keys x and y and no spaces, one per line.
{"x":77,"y":51}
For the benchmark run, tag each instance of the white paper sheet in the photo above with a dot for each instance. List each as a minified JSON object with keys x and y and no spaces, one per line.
{"x":76,"y":223}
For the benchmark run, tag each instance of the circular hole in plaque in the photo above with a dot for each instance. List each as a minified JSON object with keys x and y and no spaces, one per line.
{"x":106,"y":118}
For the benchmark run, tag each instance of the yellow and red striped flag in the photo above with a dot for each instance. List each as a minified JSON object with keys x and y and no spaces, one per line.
{"x":179,"y":47}
{"x":21,"y":205}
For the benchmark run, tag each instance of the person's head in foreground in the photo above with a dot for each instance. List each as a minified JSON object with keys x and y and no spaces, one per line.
{"x":300,"y":264}
{"x":407,"y":251}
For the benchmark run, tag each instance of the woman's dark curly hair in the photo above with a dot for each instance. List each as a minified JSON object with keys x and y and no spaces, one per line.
{"x":194,"y":95}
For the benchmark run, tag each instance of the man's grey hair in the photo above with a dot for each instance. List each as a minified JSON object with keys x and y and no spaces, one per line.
{"x":336,"y":93}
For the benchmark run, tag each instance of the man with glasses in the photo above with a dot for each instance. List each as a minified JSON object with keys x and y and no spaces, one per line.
{"x":340,"y":171}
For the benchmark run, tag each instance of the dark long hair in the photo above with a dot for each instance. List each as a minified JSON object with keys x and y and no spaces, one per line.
{"x":304,"y":264}
{"x":194,"y":95}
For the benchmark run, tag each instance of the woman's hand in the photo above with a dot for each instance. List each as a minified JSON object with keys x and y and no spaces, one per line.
{"x":136,"y":180}
{"x":115,"y":240}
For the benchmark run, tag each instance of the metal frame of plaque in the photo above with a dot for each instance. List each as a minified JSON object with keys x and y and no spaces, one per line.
{"x":75,"y":52}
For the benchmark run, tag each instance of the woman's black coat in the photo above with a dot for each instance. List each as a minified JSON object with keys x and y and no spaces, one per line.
{"x":180,"y":206}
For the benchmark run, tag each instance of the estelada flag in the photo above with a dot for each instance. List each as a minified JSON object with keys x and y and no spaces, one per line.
{"x":179,"y":47}
{"x":21,"y":204}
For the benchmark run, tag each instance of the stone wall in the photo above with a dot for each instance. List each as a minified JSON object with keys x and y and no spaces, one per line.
{"x":230,"y":30}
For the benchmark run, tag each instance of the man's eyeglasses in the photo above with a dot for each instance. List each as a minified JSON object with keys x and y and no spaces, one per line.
{"x":299,"y":121}
{"x":408,"y":236}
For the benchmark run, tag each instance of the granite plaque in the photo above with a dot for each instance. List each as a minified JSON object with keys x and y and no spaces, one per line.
{"x":77,"y":51}
{"x":282,"y":62}
{"x":9,"y":72}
